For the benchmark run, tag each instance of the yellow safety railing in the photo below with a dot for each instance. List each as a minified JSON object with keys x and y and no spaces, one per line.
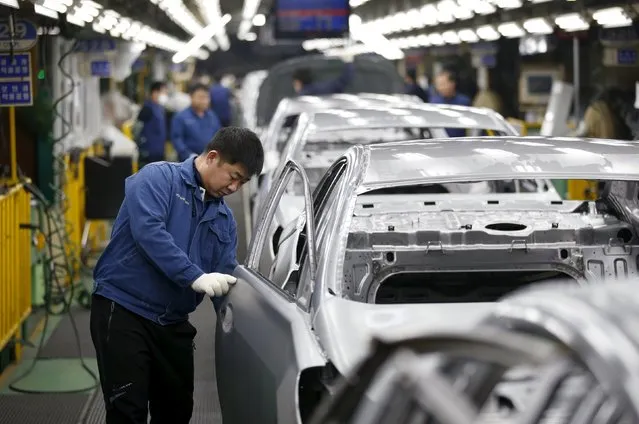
{"x":74,"y":198}
{"x":15,"y":265}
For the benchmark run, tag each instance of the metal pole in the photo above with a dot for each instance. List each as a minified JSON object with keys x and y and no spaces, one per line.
{"x":575,"y":78}
{"x":12,"y":145}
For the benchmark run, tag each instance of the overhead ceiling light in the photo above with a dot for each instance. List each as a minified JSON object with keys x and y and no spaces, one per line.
{"x":612,"y":17}
{"x":429,"y":14}
{"x":468,"y":36}
{"x":250,"y":36}
{"x":571,"y":22}
{"x":487,"y":33}
{"x":10,"y":3}
{"x":508,"y":4}
{"x":538,"y":26}
{"x":259,"y":20}
{"x":436,"y":39}
{"x":450,"y":37}
{"x":511,"y":30}
{"x":44,"y":11}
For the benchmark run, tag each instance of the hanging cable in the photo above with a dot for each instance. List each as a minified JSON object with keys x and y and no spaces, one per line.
{"x":51,"y":279}
{"x":54,"y":228}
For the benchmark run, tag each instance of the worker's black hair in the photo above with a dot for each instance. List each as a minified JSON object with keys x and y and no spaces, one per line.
{"x":451,"y":72}
{"x":239,"y":145}
{"x":303,"y":75}
{"x":197,"y":87}
{"x":412,"y":74}
{"x":157,"y":86}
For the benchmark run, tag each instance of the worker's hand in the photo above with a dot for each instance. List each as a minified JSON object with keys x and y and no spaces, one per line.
{"x":214,"y":284}
{"x":348,"y":58}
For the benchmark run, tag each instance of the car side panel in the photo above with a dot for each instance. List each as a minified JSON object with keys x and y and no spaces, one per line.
{"x":263,"y":342}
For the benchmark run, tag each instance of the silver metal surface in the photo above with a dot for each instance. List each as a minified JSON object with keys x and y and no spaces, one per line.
{"x":325,"y":320}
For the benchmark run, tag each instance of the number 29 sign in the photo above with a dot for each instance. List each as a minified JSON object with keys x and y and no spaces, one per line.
{"x":23,"y":37}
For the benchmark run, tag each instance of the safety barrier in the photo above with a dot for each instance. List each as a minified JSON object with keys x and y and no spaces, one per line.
{"x":15,"y":264}
{"x":74,"y":190}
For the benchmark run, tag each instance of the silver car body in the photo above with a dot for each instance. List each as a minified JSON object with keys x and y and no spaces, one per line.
{"x":277,"y":325}
{"x":295,"y":106}
{"x":327,"y":123}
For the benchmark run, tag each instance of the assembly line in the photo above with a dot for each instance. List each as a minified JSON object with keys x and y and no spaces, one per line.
{"x":211,"y":236}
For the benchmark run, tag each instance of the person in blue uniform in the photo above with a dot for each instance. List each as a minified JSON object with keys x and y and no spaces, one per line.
{"x":192,"y":128}
{"x":304,"y":85}
{"x":173,"y":242}
{"x":221,"y":102}
{"x":446,"y":93}
{"x":152,"y":133}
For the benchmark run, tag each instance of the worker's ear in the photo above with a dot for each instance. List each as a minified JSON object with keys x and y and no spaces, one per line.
{"x":212,"y":156}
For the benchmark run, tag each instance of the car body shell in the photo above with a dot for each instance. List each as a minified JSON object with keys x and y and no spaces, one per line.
{"x":267,"y":337}
{"x":392,"y":115}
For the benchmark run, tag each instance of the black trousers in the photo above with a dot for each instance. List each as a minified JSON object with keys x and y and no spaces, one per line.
{"x":142,"y":366}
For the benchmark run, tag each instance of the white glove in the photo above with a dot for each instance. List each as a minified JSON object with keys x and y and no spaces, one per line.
{"x":214,"y":284}
{"x":348,"y":58}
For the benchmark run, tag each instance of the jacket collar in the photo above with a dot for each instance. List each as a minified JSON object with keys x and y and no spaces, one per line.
{"x":187,"y":172}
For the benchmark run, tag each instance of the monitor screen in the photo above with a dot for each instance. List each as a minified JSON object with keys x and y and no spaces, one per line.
{"x":539,"y":84}
{"x":303,"y":19}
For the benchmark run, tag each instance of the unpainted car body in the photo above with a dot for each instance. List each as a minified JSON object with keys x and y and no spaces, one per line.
{"x":376,"y":121}
{"x":291,"y":333}
{"x":289,"y":109}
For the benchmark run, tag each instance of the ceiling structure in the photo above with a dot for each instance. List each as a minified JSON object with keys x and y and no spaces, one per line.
{"x":207,"y":28}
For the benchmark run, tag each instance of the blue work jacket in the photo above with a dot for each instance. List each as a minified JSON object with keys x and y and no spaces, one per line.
{"x":153,"y":134}
{"x":457,"y":99}
{"x":221,"y":103}
{"x":165,"y":236}
{"x":191,"y":133}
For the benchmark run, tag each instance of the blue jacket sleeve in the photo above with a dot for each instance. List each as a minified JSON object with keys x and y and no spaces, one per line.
{"x":229,"y":257}
{"x":337,"y":85}
{"x":177,"y":137}
{"x":148,"y":198}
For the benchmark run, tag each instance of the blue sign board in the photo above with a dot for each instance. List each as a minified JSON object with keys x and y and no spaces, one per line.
{"x":15,"y":93}
{"x":98,"y":45}
{"x":305,"y":18}
{"x":101,"y":68}
{"x":18,"y":66}
{"x":16,"y":88}
{"x":626,"y":56}
{"x":23,"y":37}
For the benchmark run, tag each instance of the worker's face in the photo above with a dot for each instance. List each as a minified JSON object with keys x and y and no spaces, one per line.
{"x":297,"y":86}
{"x":200,"y":100}
{"x":444,"y":85}
{"x":222,"y":178}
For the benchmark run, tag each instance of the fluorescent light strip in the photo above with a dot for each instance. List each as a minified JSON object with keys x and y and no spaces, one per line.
{"x":178,"y":13}
{"x":44,"y":11}
{"x":249,"y":10}
{"x":210,"y":10}
{"x":10,"y":3}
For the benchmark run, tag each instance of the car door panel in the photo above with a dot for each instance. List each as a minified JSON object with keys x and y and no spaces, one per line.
{"x":263,"y":338}
{"x":262,"y":343}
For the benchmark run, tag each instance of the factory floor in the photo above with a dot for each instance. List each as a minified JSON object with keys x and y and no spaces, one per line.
{"x":62,"y":365}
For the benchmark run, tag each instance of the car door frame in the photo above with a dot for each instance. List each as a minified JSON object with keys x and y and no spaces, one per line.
{"x":263,"y":337}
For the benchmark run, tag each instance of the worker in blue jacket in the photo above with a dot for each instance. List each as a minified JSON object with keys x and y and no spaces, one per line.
{"x":446,"y":93}
{"x":151,"y":134}
{"x":304,"y":85}
{"x":221,"y":102}
{"x":193,"y":128}
{"x":173,"y":242}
